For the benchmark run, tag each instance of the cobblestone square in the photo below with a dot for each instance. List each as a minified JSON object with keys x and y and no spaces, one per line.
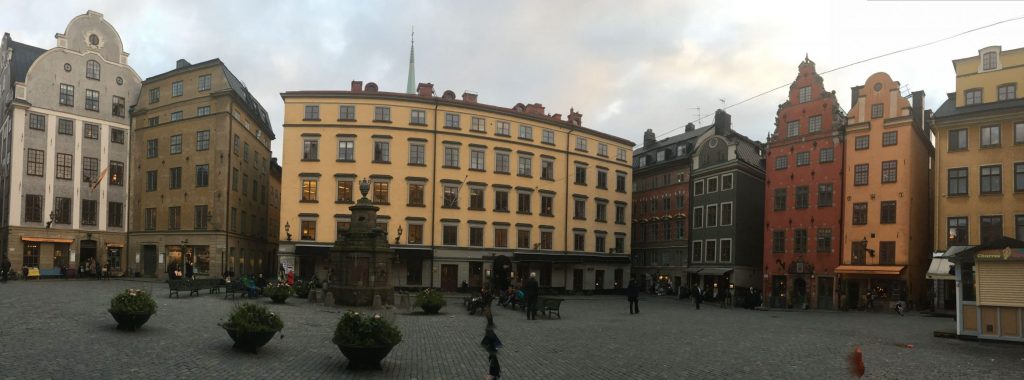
{"x":61,"y":329}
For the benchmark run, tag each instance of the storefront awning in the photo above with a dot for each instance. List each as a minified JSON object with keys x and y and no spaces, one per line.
{"x":46,"y":240}
{"x":709,"y":271}
{"x":115,"y":245}
{"x":939,"y":269}
{"x":889,"y":270}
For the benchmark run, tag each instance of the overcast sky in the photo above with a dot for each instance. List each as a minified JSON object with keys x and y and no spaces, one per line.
{"x":627,"y":66}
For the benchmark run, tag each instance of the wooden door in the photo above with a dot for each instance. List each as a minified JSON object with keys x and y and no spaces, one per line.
{"x":449,"y":277}
{"x":577,"y":279}
{"x":476,"y":274}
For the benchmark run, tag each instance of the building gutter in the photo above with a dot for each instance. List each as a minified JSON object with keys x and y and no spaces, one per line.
{"x":433,"y":193}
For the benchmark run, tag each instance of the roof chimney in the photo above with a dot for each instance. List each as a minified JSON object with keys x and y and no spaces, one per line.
{"x":182,"y":63}
{"x":649,"y":138}
{"x":357,"y":86}
{"x":917,"y":110}
{"x":535,"y":109}
{"x":723,"y":122}
{"x":468,"y":97}
{"x":689,"y":127}
{"x":425,"y":89}
{"x":854,"y":94}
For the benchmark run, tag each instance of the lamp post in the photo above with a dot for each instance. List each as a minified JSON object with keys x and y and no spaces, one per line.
{"x":287,"y":231}
{"x":399,"y":236}
{"x":53,"y":214}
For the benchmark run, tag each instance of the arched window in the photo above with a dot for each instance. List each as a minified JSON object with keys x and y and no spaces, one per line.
{"x":92,"y":70}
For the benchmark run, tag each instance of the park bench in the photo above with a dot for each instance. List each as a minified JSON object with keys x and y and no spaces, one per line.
{"x":176,"y":286}
{"x":51,"y":272}
{"x":193,"y":286}
{"x":550,"y":307}
{"x":233,"y":288}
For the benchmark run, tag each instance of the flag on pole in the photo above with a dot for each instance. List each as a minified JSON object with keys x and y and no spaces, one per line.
{"x":100,"y":179}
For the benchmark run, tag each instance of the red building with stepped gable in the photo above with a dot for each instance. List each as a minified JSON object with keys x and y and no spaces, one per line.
{"x":803,"y":196}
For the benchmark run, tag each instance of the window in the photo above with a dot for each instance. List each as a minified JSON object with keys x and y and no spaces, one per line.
{"x":620,"y":213}
{"x":92,"y":70}
{"x":802,"y":197}
{"x":151,"y":179}
{"x":175,"y":178}
{"x":825,"y":195}
{"x":525,"y":166}
{"x":65,"y":164}
{"x":602,"y":179}
{"x":477,"y":158}
{"x":202,"y":140}
{"x":973,"y":96}
{"x":547,"y":203}
{"x":780,"y":199}
{"x":581,"y":175}
{"x":202,"y":175}
{"x":887,"y":253}
{"x":957,"y":139}
{"x":814,"y":124}
{"x":174,"y":218}
{"x":579,"y":208}
{"x":710,"y":251}
{"x":800,"y":241}
{"x":116,"y":173}
{"x":450,"y":196}
{"x":500,"y":237}
{"x":824,"y":240}
{"x":860,"y":213}
{"x":501,"y":200}
{"x":381,"y":151}
{"x":547,"y":169}
{"x":712,"y":184}
{"x":117,"y":136}
{"x":990,"y":136}
{"x":65,"y":127}
{"x":90,"y":169}
{"x":620,"y":182}
{"x":451,"y":120}
{"x":877,"y":110}
{"x":37,"y":122}
{"x":176,"y":144}
{"x":451,"y":157}
{"x":380,"y":193}
{"x":309,"y":190}
{"x":547,"y":137}
{"x":861,"y":142}
{"x":991,"y":228}
{"x":698,"y":187}
{"x":781,"y":162}
{"x":115,"y":214}
{"x":888,"y":171}
{"x":150,"y":219}
{"x":203,"y":111}
{"x":154,"y":95}
{"x":245,"y":152}
{"x":478,"y":124}
{"x":308,"y":230}
{"x":889,"y":138}
{"x":152,"y":148}
{"x":381,"y":113}
{"x":200,"y":218}
{"x":860,"y":174}
{"x":450,"y":235}
{"x":1018,"y":133}
{"x":67,"y":95}
{"x":92,"y":100}
{"x":599,"y":243}
{"x":803,"y":158}
{"x":621,"y":155}
{"x":62,"y":210}
{"x":957,"y":181}
{"x":991,"y":179}
{"x":309,"y":150}
{"x":36,"y":162}
{"x":988,"y":61}
{"x":476,"y":236}
{"x":525,"y":132}
{"x":1018,"y":177}
{"x":415,"y":233}
{"x":501,"y":162}
{"x":1019,"y":227}
{"x":312,"y":112}
{"x":117,"y":106}
{"x":153,"y":121}
{"x":503,"y":128}
{"x":234,"y":220}
{"x":91,"y":131}
{"x":578,"y":240}
{"x":33,"y":208}
{"x":581,"y":143}
{"x":523,"y":238}
{"x":805,"y":94}
{"x":793,"y":128}
{"x":602,"y":211}
{"x":476,"y":198}
{"x":712,"y":218}
{"x":826,"y":155}
{"x":698,"y":217}
{"x":602,"y":149}
{"x":698,"y":251}
{"x":345,"y":192}
{"x":204,"y":82}
{"x":1007,"y":92}
{"x":418,"y":117}
{"x":346,"y":151}
{"x":546,"y":238}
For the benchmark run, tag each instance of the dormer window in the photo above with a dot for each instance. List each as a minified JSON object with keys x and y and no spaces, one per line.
{"x":661,"y":156}
{"x":988,"y":61}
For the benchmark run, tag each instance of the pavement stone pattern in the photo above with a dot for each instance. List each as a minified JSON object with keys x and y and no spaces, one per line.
{"x":61,"y":329}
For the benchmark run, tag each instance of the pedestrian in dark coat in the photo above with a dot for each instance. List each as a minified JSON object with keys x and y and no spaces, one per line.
{"x":633,"y":296}
{"x":5,"y":269}
{"x":532,"y":291}
{"x":698,"y":296}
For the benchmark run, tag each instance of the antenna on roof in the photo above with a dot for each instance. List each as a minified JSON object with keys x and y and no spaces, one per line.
{"x":905,"y":89}
{"x":700,"y":120}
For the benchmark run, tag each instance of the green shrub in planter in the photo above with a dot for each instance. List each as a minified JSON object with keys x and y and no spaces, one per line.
{"x":302,"y":289}
{"x":133,"y":301}
{"x":362,"y":330}
{"x":430,"y":300}
{"x":278,"y":292}
{"x":249,"y":317}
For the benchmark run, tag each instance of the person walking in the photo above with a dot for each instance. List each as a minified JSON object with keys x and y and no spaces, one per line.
{"x":698,"y":296}
{"x":633,"y":296}
{"x":532,"y":291}
{"x":5,"y":269}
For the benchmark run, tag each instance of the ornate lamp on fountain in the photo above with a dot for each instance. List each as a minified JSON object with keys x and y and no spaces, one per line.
{"x":362,"y":258}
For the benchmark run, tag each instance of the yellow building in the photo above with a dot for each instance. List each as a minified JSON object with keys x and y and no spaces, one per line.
{"x":887,"y":197}
{"x":460,"y":186}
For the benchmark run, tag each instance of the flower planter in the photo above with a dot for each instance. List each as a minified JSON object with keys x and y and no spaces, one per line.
{"x":278,"y":299}
{"x":360,"y":357}
{"x":431,"y":309}
{"x":249,"y":341}
{"x":129,"y":322}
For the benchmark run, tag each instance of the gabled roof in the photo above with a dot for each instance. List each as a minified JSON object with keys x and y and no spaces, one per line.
{"x":949,"y":108}
{"x":672,"y":140}
{"x":22,"y":58}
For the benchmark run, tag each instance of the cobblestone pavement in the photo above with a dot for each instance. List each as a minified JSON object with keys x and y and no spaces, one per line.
{"x":61,"y":329}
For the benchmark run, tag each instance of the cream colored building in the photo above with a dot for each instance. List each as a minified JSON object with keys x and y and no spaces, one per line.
{"x":461,"y":186}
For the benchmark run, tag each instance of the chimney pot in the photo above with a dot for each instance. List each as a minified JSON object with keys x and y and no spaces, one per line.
{"x":357,"y":86}
{"x":689,"y":127}
{"x":649,"y":138}
{"x":425,"y":89}
{"x":468,"y":97}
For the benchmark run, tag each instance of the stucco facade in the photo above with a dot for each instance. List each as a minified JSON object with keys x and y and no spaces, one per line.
{"x":63,"y":144}
{"x":803,"y":196}
{"x":887,"y":202}
{"x":459,"y":185}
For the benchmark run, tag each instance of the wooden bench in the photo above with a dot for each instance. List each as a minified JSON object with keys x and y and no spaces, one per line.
{"x":51,"y":272}
{"x":550,"y":307}
{"x":193,"y":286}
{"x":232,"y":288}
{"x":176,"y":286}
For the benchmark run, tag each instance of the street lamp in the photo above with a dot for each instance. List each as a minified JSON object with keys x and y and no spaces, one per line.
{"x":864,"y":243}
{"x":287,"y":231}
{"x":53,"y":215}
{"x":399,"y":236}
